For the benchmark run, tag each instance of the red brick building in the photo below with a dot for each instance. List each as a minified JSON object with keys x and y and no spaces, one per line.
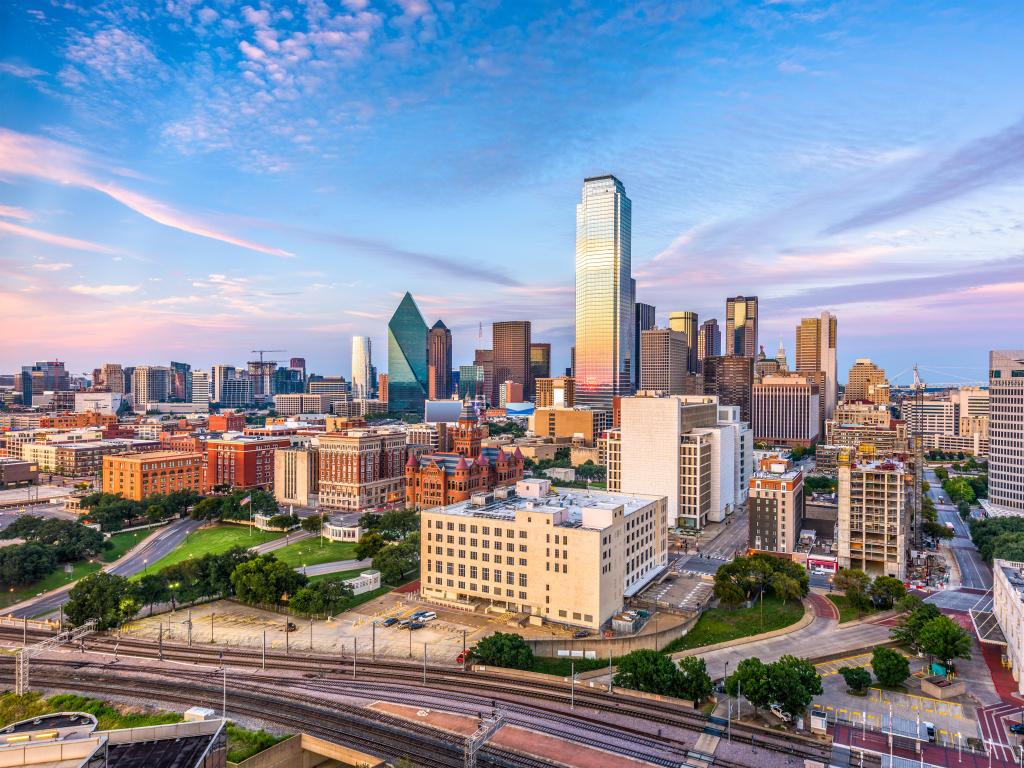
{"x":243,"y":462}
{"x":229,"y":421}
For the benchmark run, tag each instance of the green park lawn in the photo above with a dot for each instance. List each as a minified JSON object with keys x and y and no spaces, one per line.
{"x":718,"y":625}
{"x":846,"y":611}
{"x":315,"y":551}
{"x":121,"y":543}
{"x":213,"y":541}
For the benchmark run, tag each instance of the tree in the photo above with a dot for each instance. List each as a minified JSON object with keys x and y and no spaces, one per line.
{"x":395,"y":561}
{"x":102,"y":596}
{"x":369,"y":545}
{"x":886,"y":590}
{"x":649,"y":671}
{"x":266,"y":580}
{"x":908,"y":631}
{"x":695,"y":682}
{"x":25,"y":563}
{"x":283,"y":522}
{"x":857,"y":678}
{"x":1009,"y":546}
{"x":504,"y":649}
{"x":793,"y":683}
{"x":207,"y":509}
{"x":750,"y":680}
{"x":786,"y":587}
{"x":313,"y":523}
{"x":944,"y":639}
{"x":398,"y":523}
{"x":936,"y":530}
{"x":890,"y":667}
{"x":152,"y":588}
{"x":328,"y":597}
{"x":854,"y":584}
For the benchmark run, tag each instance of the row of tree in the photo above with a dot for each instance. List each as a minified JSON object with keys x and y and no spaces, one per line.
{"x":999,"y":537}
{"x":114,"y":512}
{"x":863,"y":592}
{"x":229,"y":506}
{"x":744,"y":578}
{"x":49,"y":542}
{"x":790,"y":683}
{"x":891,"y":668}
{"x":926,"y":630}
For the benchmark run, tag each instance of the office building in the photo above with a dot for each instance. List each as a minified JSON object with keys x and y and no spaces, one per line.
{"x":730,"y":378}
{"x":569,"y":557}
{"x":218,"y":375}
{"x":709,"y":342}
{"x":334,"y":388}
{"x":511,"y":348}
{"x":293,"y":405}
{"x":874,"y":515}
{"x":112,"y":377}
{"x":605,"y":331}
{"x":816,"y":352}
{"x":776,"y":506}
{"x":663,"y":362}
{"x":382,"y":387}
{"x":575,"y":425}
{"x":137,"y":475}
{"x":439,"y":362}
{"x":45,"y":376}
{"x":540,"y":362}
{"x":510,"y":392}
{"x":785,"y":411}
{"x":866,"y":381}
{"x":1008,"y":613}
{"x":741,"y":326}
{"x":296,"y":476}
{"x":262,"y":374}
{"x":643,"y":320}
{"x":201,"y":388}
{"x":98,"y":402}
{"x":236,"y":393}
{"x":181,"y":381}
{"x":1006,"y":433}
{"x":471,"y":381}
{"x":686,"y":323}
{"x":555,"y":393}
{"x":938,"y":415}
{"x":298,"y":364}
{"x":484,"y":360}
{"x":241,"y":461}
{"x":407,"y":358}
{"x":16,"y":472}
{"x":363,"y":469}
{"x":151,"y":384}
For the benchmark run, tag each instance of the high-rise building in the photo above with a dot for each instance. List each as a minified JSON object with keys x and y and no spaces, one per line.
{"x":46,"y":376}
{"x":471,"y":381}
{"x":731,"y":379}
{"x":785,"y":411}
{"x":604,"y":293}
{"x":296,"y":475}
{"x":556,"y":393}
{"x":298,"y":364}
{"x":663,"y":362}
{"x":643,"y":320}
{"x":709,"y":342}
{"x":741,"y":326}
{"x":874,"y":518}
{"x":181,"y":381}
{"x":1006,"y":432}
{"x":261,"y":373}
{"x":484,"y":360}
{"x":439,"y":362}
{"x":867,"y":382}
{"x":113,"y":377}
{"x":937,"y":416}
{"x":540,"y":361}
{"x":151,"y":384}
{"x":407,"y":358}
{"x":218,"y":375}
{"x":511,"y":345}
{"x":362,"y":368}
{"x":382,"y":387}
{"x":776,"y":506}
{"x":686,"y":322}
{"x":201,"y":387}
{"x":816,"y":351}
{"x":236,"y":392}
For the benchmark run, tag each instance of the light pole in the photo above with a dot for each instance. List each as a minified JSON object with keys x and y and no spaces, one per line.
{"x":572,"y":685}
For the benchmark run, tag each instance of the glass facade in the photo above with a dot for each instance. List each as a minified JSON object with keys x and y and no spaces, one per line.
{"x":407,"y":358}
{"x":741,"y":326}
{"x":362,"y":368}
{"x":605,"y":332}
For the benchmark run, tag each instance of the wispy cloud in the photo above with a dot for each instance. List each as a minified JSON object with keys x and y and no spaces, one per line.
{"x":52,"y":266}
{"x":104,"y":290}
{"x":13,"y":212}
{"x":19,"y":70}
{"x":52,"y":239}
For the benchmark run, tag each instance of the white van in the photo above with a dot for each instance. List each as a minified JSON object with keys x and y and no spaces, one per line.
{"x":426,"y":616}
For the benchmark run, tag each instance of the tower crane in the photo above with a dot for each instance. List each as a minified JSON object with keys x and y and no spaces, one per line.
{"x":261,"y":352}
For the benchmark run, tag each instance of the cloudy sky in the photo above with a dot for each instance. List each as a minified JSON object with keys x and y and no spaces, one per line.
{"x":192,"y":179}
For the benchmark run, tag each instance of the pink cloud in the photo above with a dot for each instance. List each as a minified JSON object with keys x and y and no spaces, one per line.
{"x":52,"y":239}
{"x":13,"y":212}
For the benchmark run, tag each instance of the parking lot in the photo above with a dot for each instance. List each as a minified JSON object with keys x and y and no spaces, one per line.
{"x":686,"y":591}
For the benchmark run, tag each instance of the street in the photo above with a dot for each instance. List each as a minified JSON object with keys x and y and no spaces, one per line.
{"x":974,"y":572}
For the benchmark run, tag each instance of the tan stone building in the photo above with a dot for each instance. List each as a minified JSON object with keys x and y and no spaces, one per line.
{"x":664,"y":357}
{"x":297,"y":475}
{"x":572,"y":424}
{"x":874,"y":515}
{"x":785,"y":410}
{"x":568,"y":557}
{"x":866,"y":381}
{"x":558,"y":392}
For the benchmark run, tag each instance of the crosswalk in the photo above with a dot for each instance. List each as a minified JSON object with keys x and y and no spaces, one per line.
{"x":993,"y":728}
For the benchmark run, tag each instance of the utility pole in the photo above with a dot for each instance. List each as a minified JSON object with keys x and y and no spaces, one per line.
{"x":918,"y":459}
{"x":263,"y":662}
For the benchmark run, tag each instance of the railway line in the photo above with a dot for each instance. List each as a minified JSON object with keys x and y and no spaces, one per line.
{"x":464,"y":692}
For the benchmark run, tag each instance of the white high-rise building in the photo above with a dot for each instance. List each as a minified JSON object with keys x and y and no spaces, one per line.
{"x":604,"y":293}
{"x":1006,"y":433}
{"x":362,"y":368}
{"x":151,"y":384}
{"x":218,"y":375}
{"x":201,"y":387}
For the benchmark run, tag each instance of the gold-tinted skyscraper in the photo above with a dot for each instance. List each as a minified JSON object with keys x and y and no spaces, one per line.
{"x":686,"y":322}
{"x":439,"y":362}
{"x":741,"y":326}
{"x":867,"y":382}
{"x":604,"y":293}
{"x":816,"y":352}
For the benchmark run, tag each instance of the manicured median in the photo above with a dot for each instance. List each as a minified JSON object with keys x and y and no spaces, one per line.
{"x":846,"y":611}
{"x":315,"y":551}
{"x":718,"y":625}
{"x":213,"y":541}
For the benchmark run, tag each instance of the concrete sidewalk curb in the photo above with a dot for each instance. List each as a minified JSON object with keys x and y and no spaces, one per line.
{"x":808,"y":618}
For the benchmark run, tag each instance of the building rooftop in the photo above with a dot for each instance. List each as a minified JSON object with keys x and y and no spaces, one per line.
{"x":157,"y":455}
{"x":879,"y":465}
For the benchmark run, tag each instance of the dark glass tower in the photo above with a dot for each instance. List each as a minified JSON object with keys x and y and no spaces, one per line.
{"x":407,"y":358}
{"x":643,"y":320}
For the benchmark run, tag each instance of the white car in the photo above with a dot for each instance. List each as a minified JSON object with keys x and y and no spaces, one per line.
{"x":777,"y":711}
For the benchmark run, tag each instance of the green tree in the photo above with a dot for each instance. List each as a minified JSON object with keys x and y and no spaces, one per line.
{"x":504,"y":649}
{"x":908,"y":631}
{"x":854,"y":584}
{"x":152,"y":588}
{"x":396,"y":524}
{"x":890,"y":667}
{"x":283,"y":522}
{"x":793,"y":683}
{"x":936,"y":530}
{"x":649,"y":671}
{"x":369,"y":545}
{"x":396,"y":561}
{"x":1009,"y":546}
{"x":887,"y":590}
{"x":330,"y":596}
{"x":857,"y":678}
{"x":750,"y":680}
{"x":944,"y":639}
{"x":207,"y":509}
{"x":25,"y":563}
{"x":102,"y":596}
{"x":265,"y":580}
{"x":786,"y":587}
{"x":312,"y":524}
{"x":695,"y":682}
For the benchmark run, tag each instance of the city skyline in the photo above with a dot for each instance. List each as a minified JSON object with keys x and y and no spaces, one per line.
{"x":174,"y":227}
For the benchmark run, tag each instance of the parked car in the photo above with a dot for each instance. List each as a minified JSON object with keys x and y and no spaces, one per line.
{"x":416,"y":625}
{"x":581,"y":633}
{"x":426,"y":616}
{"x":389,"y":622}
{"x":1017,"y":729}
{"x":461,"y":658}
{"x":291,"y":627}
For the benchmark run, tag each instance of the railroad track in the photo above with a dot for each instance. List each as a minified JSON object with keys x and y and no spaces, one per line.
{"x":529,"y":695}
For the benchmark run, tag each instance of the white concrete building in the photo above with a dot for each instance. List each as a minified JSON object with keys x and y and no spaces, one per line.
{"x":1006,"y":433}
{"x":1008,"y":607}
{"x":98,"y":402}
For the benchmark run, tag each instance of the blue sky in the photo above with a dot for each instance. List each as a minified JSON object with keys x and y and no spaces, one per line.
{"x":191,"y":179}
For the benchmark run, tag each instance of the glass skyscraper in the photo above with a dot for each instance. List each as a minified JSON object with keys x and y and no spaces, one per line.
{"x":604,"y":293}
{"x":362,"y":368}
{"x":407,"y":358}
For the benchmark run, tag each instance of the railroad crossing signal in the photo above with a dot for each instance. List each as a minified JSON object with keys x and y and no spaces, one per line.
{"x":24,"y":654}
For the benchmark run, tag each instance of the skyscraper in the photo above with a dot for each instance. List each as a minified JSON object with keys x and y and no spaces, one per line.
{"x":200,"y":388}
{"x":407,"y":358}
{"x":151,"y":384}
{"x":540,"y":361}
{"x":113,"y":377}
{"x":46,"y":376}
{"x":488,"y":388}
{"x":643,"y":320}
{"x":709,"y":342}
{"x":663,"y":359}
{"x":298,"y":364}
{"x":731,"y":378}
{"x":362,"y":368}
{"x":1006,"y":431}
{"x":511,"y":345}
{"x":686,"y":322}
{"x":866,"y":381}
{"x":605,"y":331}
{"x":741,"y":326}
{"x":439,"y":362}
{"x":218,"y":375}
{"x":181,"y":381}
{"x":816,"y":351}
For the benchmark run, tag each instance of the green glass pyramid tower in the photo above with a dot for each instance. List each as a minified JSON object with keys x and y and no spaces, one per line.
{"x":407,"y":358}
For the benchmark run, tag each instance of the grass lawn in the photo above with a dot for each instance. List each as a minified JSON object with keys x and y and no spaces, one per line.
{"x":243,"y":744}
{"x":310,"y":552}
{"x":14,"y":708}
{"x":213,"y":541}
{"x":120,"y":543}
{"x":720,"y":624}
{"x":846,"y":611}
{"x":563,"y":667}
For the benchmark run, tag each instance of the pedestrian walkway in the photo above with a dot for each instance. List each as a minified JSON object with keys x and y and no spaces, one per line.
{"x":994,"y":728}
{"x":922,"y":705}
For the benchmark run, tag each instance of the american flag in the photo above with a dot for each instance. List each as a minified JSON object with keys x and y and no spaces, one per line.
{"x":245,"y":501}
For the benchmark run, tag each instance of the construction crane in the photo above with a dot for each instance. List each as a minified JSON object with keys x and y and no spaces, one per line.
{"x":261,"y":352}
{"x":918,"y":438}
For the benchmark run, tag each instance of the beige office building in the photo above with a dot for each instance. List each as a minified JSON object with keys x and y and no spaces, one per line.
{"x":1008,"y":608}
{"x":874,"y":515}
{"x":569,"y":557}
{"x":867,"y":382}
{"x":785,"y":410}
{"x":581,"y":425}
{"x":862,"y":414}
{"x":664,"y":358}
{"x":937,"y":415}
{"x":296,"y":475}
{"x":816,"y":339}
{"x":558,"y":392}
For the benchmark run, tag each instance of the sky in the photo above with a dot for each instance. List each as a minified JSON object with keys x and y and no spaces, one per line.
{"x":194,"y":179}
